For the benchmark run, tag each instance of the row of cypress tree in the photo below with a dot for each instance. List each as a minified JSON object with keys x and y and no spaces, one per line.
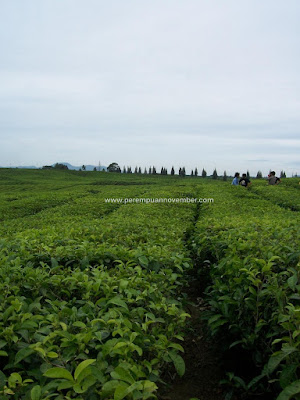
{"x":114,"y":167}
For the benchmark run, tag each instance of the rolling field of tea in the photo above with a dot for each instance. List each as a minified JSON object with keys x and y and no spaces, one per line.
{"x":92,"y":292}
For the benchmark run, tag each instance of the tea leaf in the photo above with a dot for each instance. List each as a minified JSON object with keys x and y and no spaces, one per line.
{"x":59,"y":373}
{"x":178,"y":363}
{"x":82,"y":366}
{"x":289,"y":391}
{"x":36,"y":392}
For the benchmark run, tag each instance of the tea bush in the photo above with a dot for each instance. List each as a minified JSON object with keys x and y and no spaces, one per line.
{"x":253,"y":247}
{"x":90,"y":304}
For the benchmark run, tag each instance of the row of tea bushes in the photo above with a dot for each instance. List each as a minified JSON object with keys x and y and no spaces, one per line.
{"x":91,"y":231}
{"x":89,"y":304}
{"x":285,"y":194}
{"x":97,"y":333}
{"x":250,"y":249}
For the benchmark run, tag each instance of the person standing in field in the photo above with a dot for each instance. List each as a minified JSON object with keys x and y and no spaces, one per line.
{"x":273,"y":179}
{"x":235,"y":180}
{"x":244,"y":181}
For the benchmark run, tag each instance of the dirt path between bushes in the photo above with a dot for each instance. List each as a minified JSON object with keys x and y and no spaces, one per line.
{"x":203,"y":368}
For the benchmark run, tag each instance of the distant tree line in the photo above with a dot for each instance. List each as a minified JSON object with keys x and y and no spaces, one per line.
{"x":181,"y":172}
{"x":56,"y":166}
{"x":114,"y":167}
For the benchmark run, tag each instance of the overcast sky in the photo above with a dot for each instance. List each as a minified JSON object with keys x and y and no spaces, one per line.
{"x":173,"y":82}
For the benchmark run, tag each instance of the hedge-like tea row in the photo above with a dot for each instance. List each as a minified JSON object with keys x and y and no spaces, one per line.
{"x":286,"y":194}
{"x":89,"y":305}
{"x":253,"y":246}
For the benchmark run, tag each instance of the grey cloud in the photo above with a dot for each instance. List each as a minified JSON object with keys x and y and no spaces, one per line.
{"x":255,"y":161}
{"x":191,"y":81}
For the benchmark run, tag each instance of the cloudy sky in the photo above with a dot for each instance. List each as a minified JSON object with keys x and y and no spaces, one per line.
{"x":174,"y":82}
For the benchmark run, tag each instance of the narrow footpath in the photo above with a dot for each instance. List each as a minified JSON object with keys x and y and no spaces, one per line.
{"x":203,"y":367}
{"x":203,"y":370}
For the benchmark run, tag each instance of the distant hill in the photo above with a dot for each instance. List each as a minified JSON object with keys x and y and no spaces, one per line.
{"x":70,"y":166}
{"x":22,"y":167}
{"x":87,"y":167}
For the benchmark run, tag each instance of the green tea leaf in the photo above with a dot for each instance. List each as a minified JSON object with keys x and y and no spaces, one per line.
{"x":2,"y":343}
{"x":176,"y":346}
{"x":288,"y":375}
{"x":109,"y":387}
{"x":2,"y":379}
{"x":79,"y":324}
{"x":81,"y":388}
{"x":118,"y":302}
{"x":36,"y":392}
{"x":88,"y":382}
{"x":292,"y":281}
{"x":289,"y":391}
{"x":120,"y":392}
{"x":15,"y":377}
{"x":59,"y":373}
{"x":52,"y":354}
{"x":122,"y":374}
{"x":144,"y":261}
{"x":276,"y":359}
{"x":178,"y":363}
{"x":84,"y":364}
{"x":65,"y":385}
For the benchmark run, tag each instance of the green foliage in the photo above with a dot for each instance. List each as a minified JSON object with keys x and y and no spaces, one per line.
{"x":253,"y":246}
{"x":284,"y":194}
{"x":215,"y":174}
{"x":113,"y":167}
{"x":90,"y":290}
{"x":60,"y":166}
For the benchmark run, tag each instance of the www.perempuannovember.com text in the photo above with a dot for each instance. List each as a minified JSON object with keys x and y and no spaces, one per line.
{"x":139,"y":200}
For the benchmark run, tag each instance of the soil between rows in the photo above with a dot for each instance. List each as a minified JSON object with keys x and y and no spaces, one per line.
{"x":203,"y":366}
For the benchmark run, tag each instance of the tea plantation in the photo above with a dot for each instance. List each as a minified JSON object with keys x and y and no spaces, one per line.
{"x":92,"y":291}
